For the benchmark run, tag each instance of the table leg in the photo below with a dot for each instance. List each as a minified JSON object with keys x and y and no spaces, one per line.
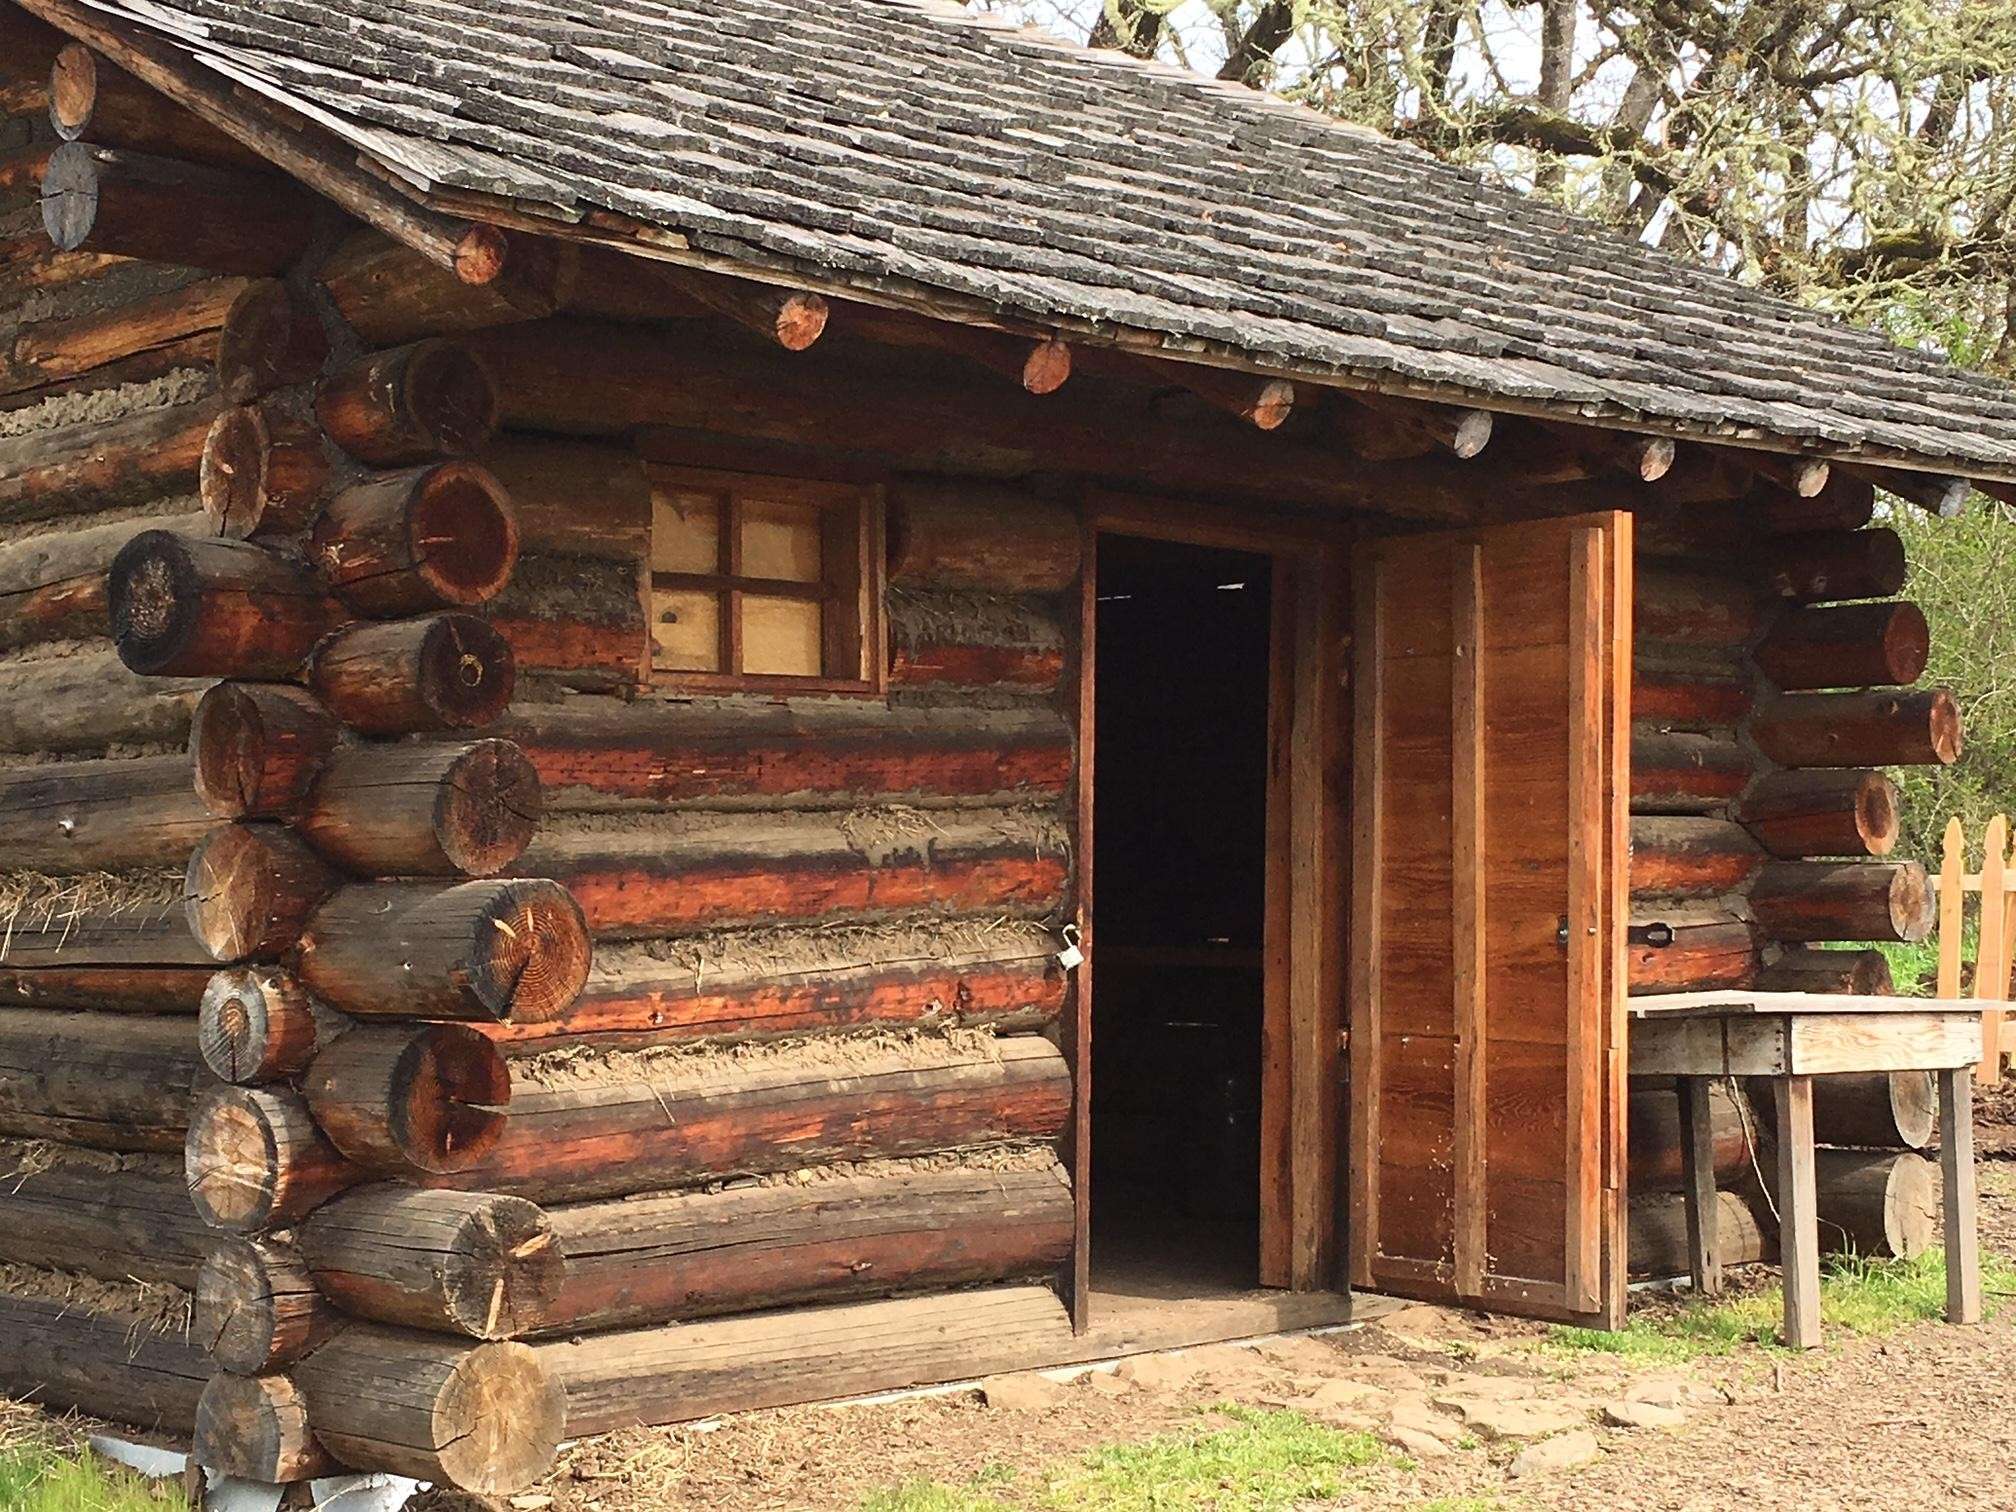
{"x":1798,"y":1212}
{"x":1956,"y":1165}
{"x":1697,"y":1164}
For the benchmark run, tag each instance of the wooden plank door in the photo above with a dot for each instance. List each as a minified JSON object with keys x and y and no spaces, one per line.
{"x":1491,"y":708}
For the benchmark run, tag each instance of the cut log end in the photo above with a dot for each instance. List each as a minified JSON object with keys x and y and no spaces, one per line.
{"x":257,"y":748}
{"x":406,"y":1100}
{"x":254,"y":1159}
{"x":1047,"y":367}
{"x":414,"y":403}
{"x":73,"y":90}
{"x":436,"y":537}
{"x":1273,"y":402}
{"x":249,"y":890}
{"x":488,"y":808}
{"x":447,"y":672}
{"x":256,"y":1306}
{"x":256,"y":1428}
{"x":1654,"y":458}
{"x":801,"y":320}
{"x":268,"y":342}
{"x":481,"y":255}
{"x":255,"y":1024}
{"x":1847,"y":646}
{"x":531,"y":952}
{"x":1472,"y":433}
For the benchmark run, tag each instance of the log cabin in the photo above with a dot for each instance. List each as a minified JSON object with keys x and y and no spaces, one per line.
{"x":583,"y":591}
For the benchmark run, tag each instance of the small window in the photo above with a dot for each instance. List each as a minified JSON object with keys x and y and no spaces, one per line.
{"x":764,"y":582}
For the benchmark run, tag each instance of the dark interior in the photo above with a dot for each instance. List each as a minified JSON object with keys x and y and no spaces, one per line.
{"x":1180,"y":865}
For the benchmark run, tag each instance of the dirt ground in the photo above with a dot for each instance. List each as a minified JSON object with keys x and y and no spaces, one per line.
{"x":1926,"y":1413}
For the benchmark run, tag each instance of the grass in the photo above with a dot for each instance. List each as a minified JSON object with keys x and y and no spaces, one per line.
{"x":36,"y":1478}
{"x":1860,"y":1295}
{"x":1263,"y":1461}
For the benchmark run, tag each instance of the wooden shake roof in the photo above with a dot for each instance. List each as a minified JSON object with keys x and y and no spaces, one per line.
{"x":910,"y":152}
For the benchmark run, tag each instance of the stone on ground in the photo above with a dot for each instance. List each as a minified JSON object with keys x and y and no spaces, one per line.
{"x":1643,"y":1415}
{"x":1673,"y":1391}
{"x":1493,"y":1419}
{"x":1106,"y":1383}
{"x":1027,"y":1392}
{"x":1566,"y":1451}
{"x":1411,"y":1410}
{"x":1303,"y":1354}
{"x":1159,"y":1372}
{"x":1422,"y":1446}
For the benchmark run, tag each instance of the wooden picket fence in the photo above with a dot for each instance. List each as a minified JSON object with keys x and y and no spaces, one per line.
{"x":1995,"y":951}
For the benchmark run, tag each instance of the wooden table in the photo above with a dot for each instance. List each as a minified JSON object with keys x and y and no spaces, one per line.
{"x":1793,"y":1037}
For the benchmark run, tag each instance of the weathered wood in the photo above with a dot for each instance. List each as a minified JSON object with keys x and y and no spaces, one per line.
{"x":1657,"y":1138}
{"x":1685,"y":773}
{"x":1658,"y":1226}
{"x":407,"y":1100}
{"x":1846,"y":646}
{"x":264,"y":469}
{"x":410,"y":404}
{"x":255,"y":1160}
{"x":105,"y":1364}
{"x":1685,"y":856}
{"x":256,"y":1306}
{"x":270,"y":340}
{"x":575,"y":498}
{"x":250,"y":888}
{"x":580,"y":621}
{"x":178,"y":328}
{"x":1799,"y":969}
{"x":791,"y":318}
{"x":593,"y":754}
{"x":103,"y":464}
{"x":256,"y":1025}
{"x":507,"y":950}
{"x":979,"y":537}
{"x":442,"y":672}
{"x":696,"y":1370}
{"x":256,"y":1428}
{"x":1876,"y":1203}
{"x":1682,"y":696}
{"x":110,"y":1081}
{"x":52,"y":587}
{"x":187,"y":606}
{"x":1847,"y":900}
{"x":1822,"y":812}
{"x":92,"y":100}
{"x":630,"y":1134}
{"x":1379,"y":429}
{"x":1713,"y":610}
{"x":424,"y":810}
{"x":437,"y":537}
{"x":1939,"y":494}
{"x":106,"y":199}
{"x":486,"y":1418}
{"x":113,"y":815}
{"x":1846,"y":502}
{"x":1882,"y":1110}
{"x":1797,"y":1204}
{"x":1704,"y":1248}
{"x":697,"y":1254}
{"x":258,"y":748}
{"x":66,"y":933}
{"x":1829,"y":565}
{"x":28,"y":51}
{"x":90,"y":1214}
{"x":1956,"y":1178}
{"x":1882,"y":728}
{"x":476,"y":1264}
{"x":105,"y":989}
{"x":1040,"y":364}
{"x":1699,"y":954}
{"x":388,"y":293}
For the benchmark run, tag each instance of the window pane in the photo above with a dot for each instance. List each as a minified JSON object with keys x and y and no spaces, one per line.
{"x":780,"y":541}
{"x":685,"y":532}
{"x":686,"y":630}
{"x":781,"y":637}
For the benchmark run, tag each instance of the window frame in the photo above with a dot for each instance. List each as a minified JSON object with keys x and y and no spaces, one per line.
{"x":853,"y":578}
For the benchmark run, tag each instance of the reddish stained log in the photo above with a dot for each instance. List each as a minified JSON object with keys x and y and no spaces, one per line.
{"x":781,"y":755}
{"x":256,"y":1306}
{"x":1800,"y":969}
{"x":78,"y":816}
{"x":105,"y":989}
{"x":1656,"y":1140}
{"x":52,"y":586}
{"x":130,"y":204}
{"x":648,"y":881}
{"x":1846,"y":646}
{"x":424,"y":810}
{"x":443,"y":672}
{"x":1703,"y":475}
{"x":410,"y":404}
{"x":257,"y":749}
{"x":684,"y":1371}
{"x":256,"y":1429}
{"x":436,"y":537}
{"x":92,"y":100}
{"x":1037,"y":362}
{"x":264,"y":469}
{"x":1682,"y":696}
{"x":1845,"y":900}
{"x":388,"y":293}
{"x":103,"y":464}
{"x":106,"y":1364}
{"x":979,"y":537}
{"x":1803,"y":477}
{"x":1823,"y":812}
{"x":1682,"y":773}
{"x":93,"y":1214}
{"x":1658,"y":1233}
{"x":256,"y":1024}
{"x":180,"y":327}
{"x":250,"y":888}
{"x":791,"y":318}
{"x":591,"y":654}
{"x":484,"y":1418}
{"x":1691,"y":857}
{"x":611,"y":1138}
{"x":1696,"y":956}
{"x":187,"y":606}
{"x":1884,"y":727}
{"x":1824,"y":566}
{"x":110,"y":1081}
{"x":514,"y":951}
{"x":270,"y":340}
{"x":407,"y":1100}
{"x":928,"y":664}
{"x":471,"y":1263}
{"x":699,"y":1254}
{"x":575,"y":498}
{"x":654,"y":1004}
{"x":21,"y":171}
{"x":1696,"y":609}
{"x":255,"y":1160}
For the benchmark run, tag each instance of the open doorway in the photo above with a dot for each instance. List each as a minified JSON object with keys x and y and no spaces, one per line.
{"x":1182,"y":704}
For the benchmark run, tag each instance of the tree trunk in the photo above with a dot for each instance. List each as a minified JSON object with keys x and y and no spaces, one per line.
{"x":143,"y":339}
{"x":1831,"y":565}
{"x":1658,"y":1234}
{"x":92,"y":100}
{"x":105,"y":1364}
{"x":103,"y":464}
{"x":445,"y":672}
{"x":256,"y":1160}
{"x":410,"y":1100}
{"x":52,"y":587}
{"x":1799,"y":969}
{"x":185,"y":606}
{"x":388,"y":293}
{"x":1883,"y":728}
{"x":1884,"y":1110}
{"x":437,"y":537}
{"x":88,"y":701}
{"x":1683,"y":774}
{"x":1877,"y":1203}
{"x":1846,"y":646}
{"x":424,"y":810}
{"x":250,"y":888}
{"x":1848,"y":900}
{"x":410,"y":404}
{"x":1822,"y":812}
{"x":88,"y":1213}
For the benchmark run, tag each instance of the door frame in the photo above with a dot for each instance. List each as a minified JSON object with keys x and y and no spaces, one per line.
{"x":1302,"y":1167}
